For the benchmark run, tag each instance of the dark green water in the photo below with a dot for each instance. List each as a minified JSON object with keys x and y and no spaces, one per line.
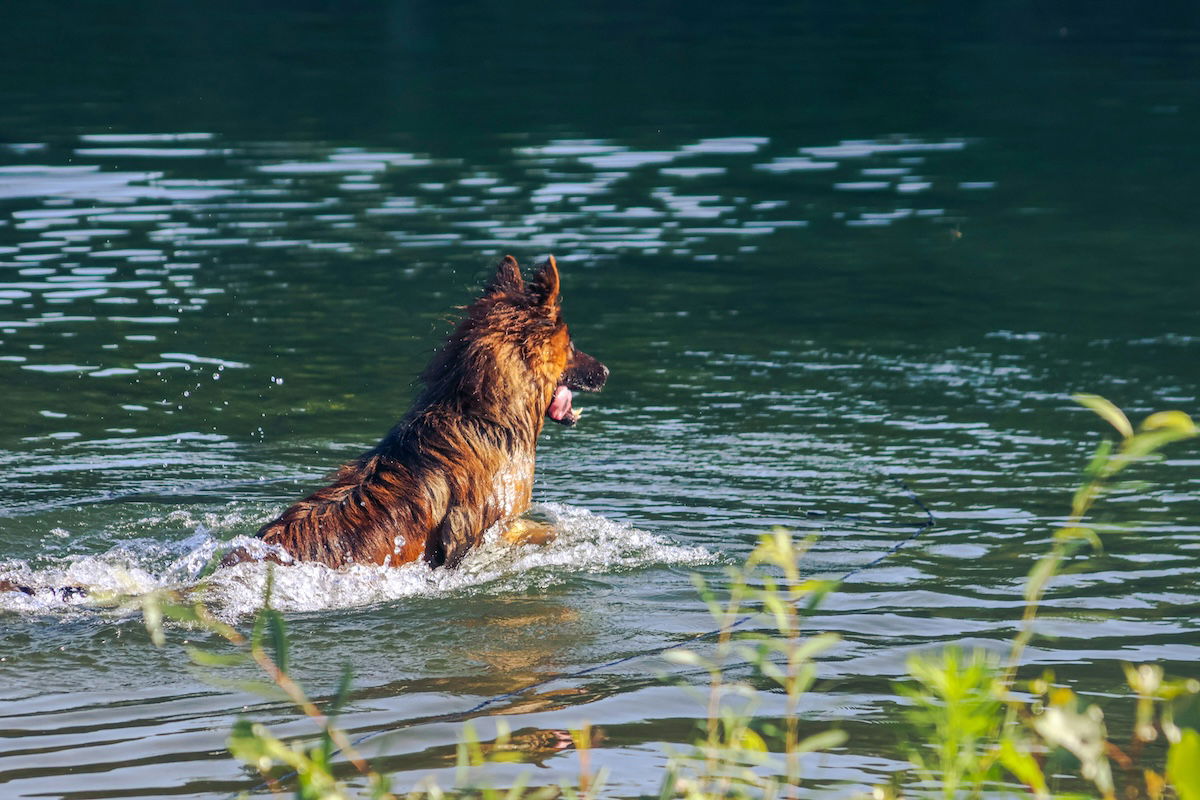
{"x":821,"y":247}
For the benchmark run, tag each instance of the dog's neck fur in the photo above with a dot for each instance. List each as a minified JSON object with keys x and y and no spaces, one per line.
{"x":465,"y":383}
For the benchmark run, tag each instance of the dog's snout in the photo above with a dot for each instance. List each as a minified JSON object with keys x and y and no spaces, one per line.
{"x":585,"y":373}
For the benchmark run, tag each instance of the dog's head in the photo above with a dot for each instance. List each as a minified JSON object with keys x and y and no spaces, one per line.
{"x":558,"y":367}
{"x":513,"y":350}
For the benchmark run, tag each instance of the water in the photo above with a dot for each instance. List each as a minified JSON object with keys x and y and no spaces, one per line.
{"x":822,"y":251}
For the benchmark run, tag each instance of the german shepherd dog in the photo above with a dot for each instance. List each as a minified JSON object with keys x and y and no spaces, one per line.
{"x":460,"y":462}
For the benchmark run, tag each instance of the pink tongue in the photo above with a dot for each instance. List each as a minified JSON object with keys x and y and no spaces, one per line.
{"x":560,"y":406}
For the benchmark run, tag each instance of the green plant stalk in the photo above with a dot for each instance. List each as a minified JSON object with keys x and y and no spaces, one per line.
{"x":198,"y":613}
{"x":292,"y":689}
{"x":1158,"y":430}
{"x":792,"y":706}
{"x":714,"y":724}
{"x":790,"y":630}
{"x":971,"y":738}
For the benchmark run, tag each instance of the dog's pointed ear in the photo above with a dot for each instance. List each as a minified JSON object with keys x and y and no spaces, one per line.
{"x":544,"y":286}
{"x":507,"y":278}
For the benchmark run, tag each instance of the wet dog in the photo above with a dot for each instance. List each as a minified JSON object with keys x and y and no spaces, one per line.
{"x":460,"y":462}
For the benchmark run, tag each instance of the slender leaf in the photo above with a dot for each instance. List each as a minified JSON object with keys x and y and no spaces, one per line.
{"x":207,"y":658}
{"x":264,"y":689}
{"x":1024,"y":767}
{"x":279,"y":641}
{"x":152,"y":617}
{"x":1078,"y":532}
{"x":821,"y":741}
{"x":1149,"y":443}
{"x":1039,"y":576}
{"x":814,"y":645}
{"x":181,"y":613}
{"x":1107,"y":411}
{"x":1170,"y":420}
{"x":774,"y":605}
{"x":1096,"y":466}
{"x":669,"y":782}
{"x":256,"y":632}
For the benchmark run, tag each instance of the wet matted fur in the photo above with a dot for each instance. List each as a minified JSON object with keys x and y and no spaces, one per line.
{"x":461,"y":460}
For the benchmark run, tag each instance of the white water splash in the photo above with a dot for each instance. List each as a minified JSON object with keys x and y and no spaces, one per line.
{"x":133,"y":567}
{"x":585,"y":543}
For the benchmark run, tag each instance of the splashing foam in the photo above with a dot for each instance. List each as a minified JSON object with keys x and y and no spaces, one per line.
{"x":134,"y":567}
{"x":586,"y":543}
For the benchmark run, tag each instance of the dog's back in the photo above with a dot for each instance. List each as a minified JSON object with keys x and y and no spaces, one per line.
{"x":462,"y":460}
{"x":426,"y":491}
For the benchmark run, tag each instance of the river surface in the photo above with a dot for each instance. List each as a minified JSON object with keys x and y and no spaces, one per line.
{"x":843,"y":264}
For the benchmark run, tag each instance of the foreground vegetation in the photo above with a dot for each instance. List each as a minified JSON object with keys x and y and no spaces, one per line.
{"x":972,"y":727}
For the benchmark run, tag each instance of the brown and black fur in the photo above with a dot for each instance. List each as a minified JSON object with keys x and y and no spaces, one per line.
{"x":461,"y":460}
